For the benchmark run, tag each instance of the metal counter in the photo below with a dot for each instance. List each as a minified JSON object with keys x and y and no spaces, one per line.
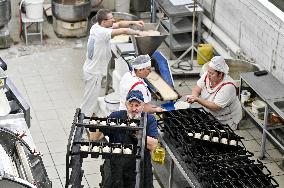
{"x":268,"y":89}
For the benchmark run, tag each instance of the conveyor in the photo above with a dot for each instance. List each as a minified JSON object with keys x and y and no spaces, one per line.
{"x":21,"y":165}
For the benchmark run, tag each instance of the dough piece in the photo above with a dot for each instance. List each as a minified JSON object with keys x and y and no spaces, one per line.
{"x":116,"y":150}
{"x":106,"y":149}
{"x":96,"y":149}
{"x":84,"y":148}
{"x":181,"y":105}
{"x":127,"y":151}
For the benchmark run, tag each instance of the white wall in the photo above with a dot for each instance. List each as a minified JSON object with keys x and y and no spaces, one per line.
{"x":258,"y":31}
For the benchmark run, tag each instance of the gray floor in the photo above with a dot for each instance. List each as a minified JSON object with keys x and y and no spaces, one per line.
{"x":50,"y":79}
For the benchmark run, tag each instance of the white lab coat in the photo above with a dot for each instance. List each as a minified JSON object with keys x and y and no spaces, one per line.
{"x":95,"y":67}
{"x":128,"y":81}
{"x":224,"y":95}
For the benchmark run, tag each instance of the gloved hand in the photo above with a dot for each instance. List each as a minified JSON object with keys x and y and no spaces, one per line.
{"x":191,"y":99}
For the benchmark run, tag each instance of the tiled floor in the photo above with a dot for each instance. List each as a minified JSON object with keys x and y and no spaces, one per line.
{"x":49,"y":78}
{"x":53,"y":96}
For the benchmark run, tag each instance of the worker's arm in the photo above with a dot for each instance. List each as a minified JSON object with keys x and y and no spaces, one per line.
{"x":152,"y":143}
{"x":122,"y":24}
{"x":126,"y":31}
{"x":150,"y":108}
{"x":209,"y":105}
{"x":194,"y":97}
{"x":196,"y":91}
{"x":96,"y":135}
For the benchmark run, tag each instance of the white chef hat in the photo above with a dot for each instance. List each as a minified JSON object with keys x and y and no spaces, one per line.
{"x":141,"y":62}
{"x":218,"y":63}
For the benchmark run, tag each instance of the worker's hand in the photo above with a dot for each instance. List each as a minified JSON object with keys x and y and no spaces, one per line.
{"x":152,"y":143}
{"x":139,"y":23}
{"x":158,"y":109}
{"x":191,"y":99}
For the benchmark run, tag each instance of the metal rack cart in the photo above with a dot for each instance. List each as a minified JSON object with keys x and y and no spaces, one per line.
{"x":75,"y":154}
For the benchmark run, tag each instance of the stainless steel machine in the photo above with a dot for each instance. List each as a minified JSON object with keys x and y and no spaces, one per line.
{"x":20,"y":163}
{"x":5,"y":16}
{"x":19,"y":166}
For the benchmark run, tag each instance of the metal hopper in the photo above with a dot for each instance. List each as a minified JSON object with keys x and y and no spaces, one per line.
{"x":148,"y":44}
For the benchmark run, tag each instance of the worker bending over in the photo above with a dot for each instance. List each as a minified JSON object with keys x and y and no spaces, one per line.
{"x":141,"y":68}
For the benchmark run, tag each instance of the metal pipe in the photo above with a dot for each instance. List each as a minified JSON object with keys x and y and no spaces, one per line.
{"x":153,"y":11}
{"x":221,"y":35}
{"x":216,"y":45}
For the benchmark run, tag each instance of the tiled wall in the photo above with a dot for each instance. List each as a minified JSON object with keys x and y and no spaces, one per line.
{"x":258,"y":32}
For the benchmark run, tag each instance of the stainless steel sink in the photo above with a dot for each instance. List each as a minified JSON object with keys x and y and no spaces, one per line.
{"x":280,"y":105}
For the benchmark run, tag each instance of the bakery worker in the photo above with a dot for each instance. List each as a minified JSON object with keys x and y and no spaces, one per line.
{"x":141,"y":68}
{"x":99,"y":54}
{"x":120,"y":172}
{"x":215,"y":91}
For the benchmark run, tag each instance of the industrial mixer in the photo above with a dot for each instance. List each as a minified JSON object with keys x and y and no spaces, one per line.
{"x":21,"y":165}
{"x":70,"y":17}
{"x":5,"y":16}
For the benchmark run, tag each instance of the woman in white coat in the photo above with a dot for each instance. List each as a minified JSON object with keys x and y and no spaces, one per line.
{"x":215,"y":91}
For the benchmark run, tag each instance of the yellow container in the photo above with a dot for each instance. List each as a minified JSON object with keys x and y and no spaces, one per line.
{"x":207,"y":51}
{"x":158,"y":155}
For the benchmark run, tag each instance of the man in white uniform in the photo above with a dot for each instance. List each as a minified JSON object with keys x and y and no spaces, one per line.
{"x":216,"y":91}
{"x":99,"y":54}
{"x":133,"y":80}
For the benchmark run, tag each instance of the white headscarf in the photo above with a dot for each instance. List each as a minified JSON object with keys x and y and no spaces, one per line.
{"x":218,"y":63}
{"x":141,"y":62}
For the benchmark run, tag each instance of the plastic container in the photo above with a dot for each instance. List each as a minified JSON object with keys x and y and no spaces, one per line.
{"x":207,"y":51}
{"x":158,"y":154}
{"x":245,"y":95}
{"x":34,"y":9}
{"x":257,"y":106}
{"x":112,"y":101}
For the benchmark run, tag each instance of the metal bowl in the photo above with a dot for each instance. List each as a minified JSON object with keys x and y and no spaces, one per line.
{"x":71,"y":12}
{"x":5,"y":12}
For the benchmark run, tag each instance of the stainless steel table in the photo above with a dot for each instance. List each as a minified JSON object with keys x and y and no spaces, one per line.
{"x":268,"y":89}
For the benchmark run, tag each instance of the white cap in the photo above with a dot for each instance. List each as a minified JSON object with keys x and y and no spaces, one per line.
{"x":218,"y":63}
{"x":141,"y":62}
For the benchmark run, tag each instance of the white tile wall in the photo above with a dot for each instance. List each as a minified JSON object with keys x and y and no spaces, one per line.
{"x":261,"y":31}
